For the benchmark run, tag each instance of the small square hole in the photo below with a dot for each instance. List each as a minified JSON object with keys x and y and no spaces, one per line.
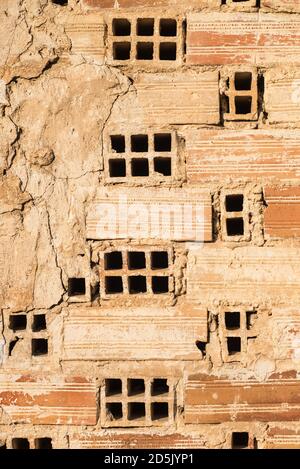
{"x":113,"y":260}
{"x":137,"y":284}
{"x":160,"y":285}
{"x":121,"y":27}
{"x":121,"y":50}
{"x":18,"y":322}
{"x":76,"y":286}
{"x":235,"y":226}
{"x":232,"y":320}
{"x":159,"y":410}
{"x":144,"y":51}
{"x":39,"y":347}
{"x":239,"y":440}
{"x":113,"y":386}
{"x":20,"y":443}
{"x":39,"y":322}
{"x":233,"y":345}
{"x":43,"y":443}
{"x":139,"y":143}
{"x":117,"y":168}
{"x":159,"y":260}
{"x":159,"y":386}
{"x":243,"y":81}
{"x":136,"y":260}
{"x":163,"y":166}
{"x":136,"y":410}
{"x":167,"y":51}
{"x":145,"y":26}
{"x":117,"y":143}
{"x":135,"y":386}
{"x":140,"y":167}
{"x":114,"y":410}
{"x":168,"y":27}
{"x":243,"y":104}
{"x":234,"y":203}
{"x":162,"y":142}
{"x":113,"y":284}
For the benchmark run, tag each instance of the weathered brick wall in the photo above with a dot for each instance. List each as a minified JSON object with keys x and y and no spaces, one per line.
{"x":149,"y":224}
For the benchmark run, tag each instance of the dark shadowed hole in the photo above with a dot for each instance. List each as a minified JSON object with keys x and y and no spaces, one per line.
{"x":121,"y":50}
{"x":242,"y":81}
{"x":159,"y":410}
{"x":145,"y":26}
{"x":12,"y":345}
{"x":159,"y":260}
{"x":233,"y":345}
{"x":162,"y":142}
{"x":160,"y":285}
{"x":114,"y":410}
{"x":136,"y":410}
{"x":232,"y":320}
{"x":39,"y":322}
{"x":167,"y":27}
{"x":121,"y":27}
{"x":117,"y":168}
{"x":163,"y":166}
{"x":39,"y":347}
{"x":234,"y":203}
{"x":235,"y":226}
{"x":113,"y":386}
{"x":117,"y":143}
{"x":113,"y":284}
{"x":144,"y":51}
{"x":135,"y":386}
{"x":20,"y":443}
{"x":239,"y":440}
{"x":17,"y":322}
{"x":76,"y":286}
{"x":139,"y":143}
{"x":243,"y":104}
{"x":139,"y":167}
{"x":43,"y":443}
{"x":201,"y":346}
{"x":167,"y":50}
{"x":136,"y":260}
{"x":159,"y":386}
{"x":113,"y":260}
{"x":137,"y":284}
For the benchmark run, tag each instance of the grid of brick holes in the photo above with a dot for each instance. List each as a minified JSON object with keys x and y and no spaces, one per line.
{"x":141,"y":155}
{"x":18,"y":325}
{"x":234,"y":215}
{"x":150,"y":272}
{"x":144,"y":39}
{"x":37,"y":443}
{"x":236,"y":332}
{"x":241,"y":102}
{"x":137,"y":402}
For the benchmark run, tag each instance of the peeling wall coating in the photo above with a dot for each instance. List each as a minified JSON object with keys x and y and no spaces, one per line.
{"x":149,"y":224}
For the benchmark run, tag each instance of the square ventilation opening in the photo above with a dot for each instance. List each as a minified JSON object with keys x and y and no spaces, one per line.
{"x":43,"y":443}
{"x":136,"y":260}
{"x":137,"y":284}
{"x":159,"y":410}
{"x":233,"y":345}
{"x":140,"y":167}
{"x":159,"y":386}
{"x":117,"y":168}
{"x":135,"y":386}
{"x":232,"y":320}
{"x":117,"y":143}
{"x":159,"y":260}
{"x":162,"y":142}
{"x":167,"y":51}
{"x":243,"y":104}
{"x":20,"y":443}
{"x":234,"y":203}
{"x":163,"y":166}
{"x":39,"y":322}
{"x":39,"y":347}
{"x":121,"y":50}
{"x":18,"y":322}
{"x":144,"y":51}
{"x":239,"y":440}
{"x":242,"y":81}
{"x":145,"y":26}
{"x":160,"y":285}
{"x":76,"y":286}
{"x":168,"y":27}
{"x":113,"y":386}
{"x":235,"y":226}
{"x":139,"y":143}
{"x":136,"y":410}
{"x":113,"y":285}
{"x":121,"y":27}
{"x":113,"y":260}
{"x":114,"y":410}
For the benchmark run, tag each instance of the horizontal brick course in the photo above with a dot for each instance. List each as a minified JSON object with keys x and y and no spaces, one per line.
{"x":282,"y":215}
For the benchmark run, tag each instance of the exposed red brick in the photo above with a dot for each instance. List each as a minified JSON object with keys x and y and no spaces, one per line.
{"x":282,"y":215}
{"x":210,"y":399}
{"x":282,"y":438}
